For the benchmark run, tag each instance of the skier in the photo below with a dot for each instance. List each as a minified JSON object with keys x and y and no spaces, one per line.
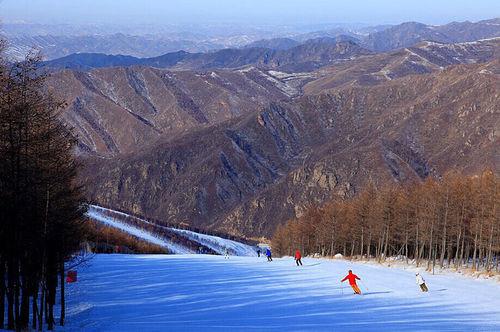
{"x":226,"y":253}
{"x":298,"y":257}
{"x":269,"y":255}
{"x":352,"y":281}
{"x":421,"y":282}
{"x":258,"y":252}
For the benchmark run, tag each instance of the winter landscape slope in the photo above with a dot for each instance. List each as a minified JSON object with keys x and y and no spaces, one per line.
{"x":209,"y":293}
{"x":176,"y":241}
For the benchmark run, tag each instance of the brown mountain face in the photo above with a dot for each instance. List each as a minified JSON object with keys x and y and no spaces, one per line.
{"x":258,"y":169}
{"x":121,"y":110}
{"x":425,"y":57}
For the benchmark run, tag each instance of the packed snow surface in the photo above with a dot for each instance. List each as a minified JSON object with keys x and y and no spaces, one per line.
{"x":210,"y":293}
{"x":218,"y":244}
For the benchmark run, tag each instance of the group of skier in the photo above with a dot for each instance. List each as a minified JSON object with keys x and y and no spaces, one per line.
{"x":351,"y":277}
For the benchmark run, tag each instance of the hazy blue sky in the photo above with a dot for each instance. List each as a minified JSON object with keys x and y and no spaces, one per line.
{"x":247,"y":11}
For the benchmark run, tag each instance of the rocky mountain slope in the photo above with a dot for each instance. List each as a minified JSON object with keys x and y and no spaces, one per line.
{"x":252,"y":172}
{"x":124,"y":109}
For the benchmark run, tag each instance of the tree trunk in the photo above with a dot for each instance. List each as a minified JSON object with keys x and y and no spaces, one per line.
{"x":41,"y":309}
{"x":2,"y":293}
{"x":11,"y":323}
{"x":16,"y":301}
{"x":431,"y":246}
{"x":369,"y":245}
{"x":24,"y":315}
{"x":445,"y":224}
{"x":490,"y":245}
{"x":457,"y":252}
{"x":417,"y":253}
{"x":466,"y":256}
{"x":34,"y":309}
{"x":406,"y":246}
{"x":434,"y":258}
{"x":386,"y":243}
{"x":63,"y":300}
{"x":50,"y":317}
{"x":362,"y":241}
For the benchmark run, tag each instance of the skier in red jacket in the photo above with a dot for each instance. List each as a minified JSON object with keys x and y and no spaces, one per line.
{"x":352,"y":281}
{"x":298,"y":258}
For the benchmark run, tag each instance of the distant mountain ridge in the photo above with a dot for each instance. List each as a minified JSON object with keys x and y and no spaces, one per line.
{"x":425,"y":57}
{"x":289,"y":54}
{"x":57,"y":46}
{"x":411,"y":33}
{"x":304,"y":57}
{"x":54,"y":42}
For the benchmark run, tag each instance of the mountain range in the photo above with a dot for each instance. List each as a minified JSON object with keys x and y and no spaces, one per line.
{"x":241,"y":140}
{"x":59,"y":41}
{"x":410,"y":33}
{"x":155,"y":103}
{"x":248,"y":174}
{"x":304,"y":57}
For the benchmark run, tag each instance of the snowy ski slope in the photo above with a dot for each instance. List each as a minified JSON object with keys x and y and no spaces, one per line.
{"x":95,"y":214}
{"x":215,"y":243}
{"x":210,"y":293}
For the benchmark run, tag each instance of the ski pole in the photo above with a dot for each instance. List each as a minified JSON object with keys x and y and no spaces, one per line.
{"x":364,"y":285}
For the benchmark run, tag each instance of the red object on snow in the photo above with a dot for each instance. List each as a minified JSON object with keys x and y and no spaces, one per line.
{"x":71,"y":277}
{"x":351,"y":277}
{"x":298,"y":255}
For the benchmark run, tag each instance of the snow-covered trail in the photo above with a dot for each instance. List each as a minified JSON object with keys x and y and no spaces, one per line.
{"x":216,"y":243}
{"x":209,"y":293}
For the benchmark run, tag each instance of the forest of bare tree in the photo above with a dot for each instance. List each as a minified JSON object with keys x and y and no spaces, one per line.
{"x":40,"y":203}
{"x":449,"y":222}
